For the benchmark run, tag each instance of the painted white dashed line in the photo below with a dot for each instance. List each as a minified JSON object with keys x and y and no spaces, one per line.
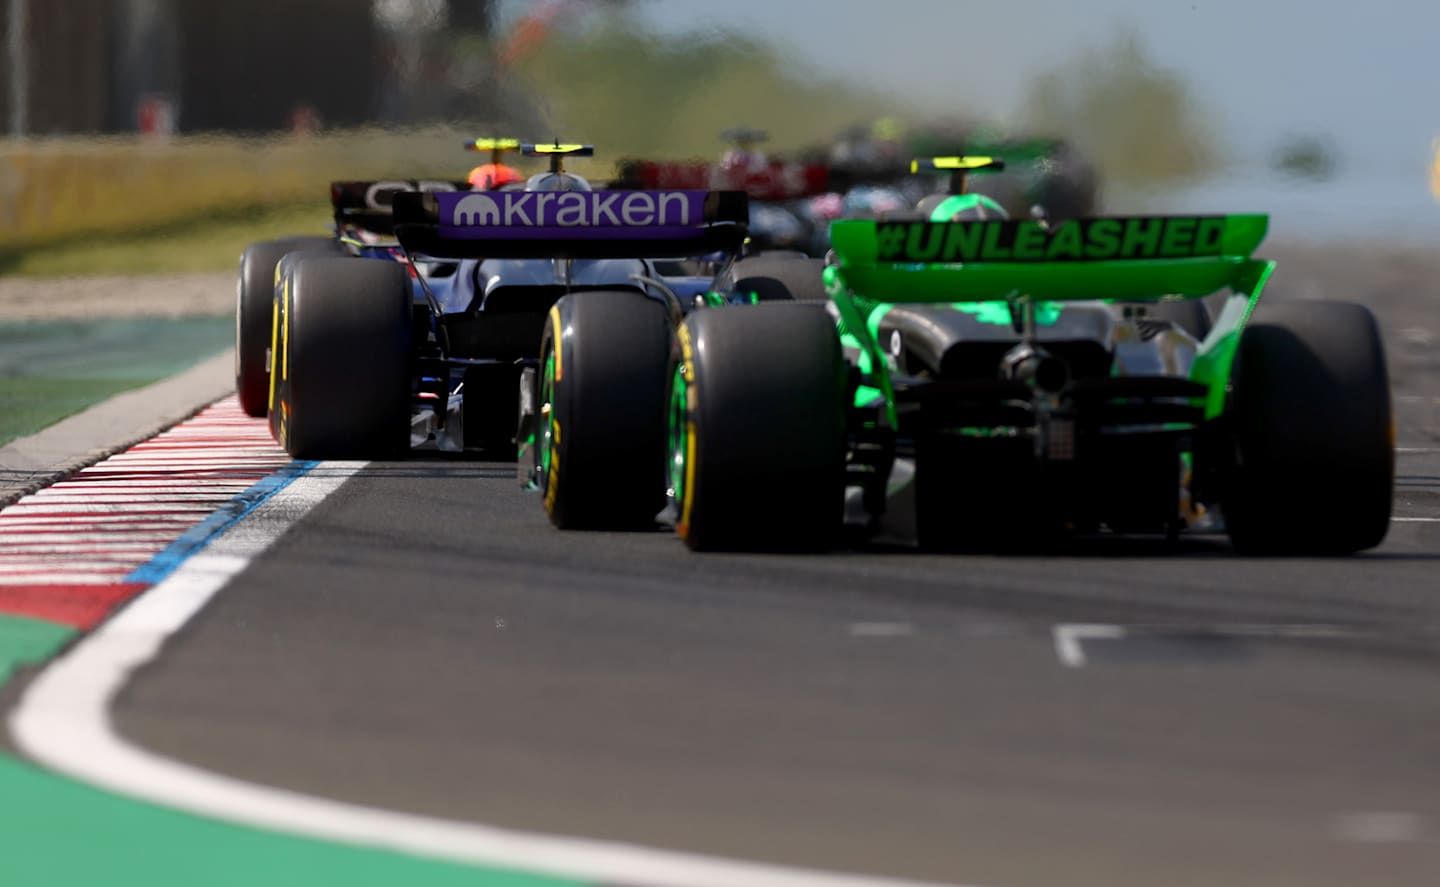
{"x":1416,"y":520}
{"x":881,"y":629}
{"x":63,"y":721}
{"x":1417,"y":449}
{"x":1070,"y":638}
{"x":1378,"y":827}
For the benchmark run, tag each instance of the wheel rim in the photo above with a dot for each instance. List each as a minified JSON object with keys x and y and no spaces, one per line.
{"x":679,"y":434}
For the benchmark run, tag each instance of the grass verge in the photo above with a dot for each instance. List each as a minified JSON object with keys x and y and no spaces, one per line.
{"x":211,"y":243}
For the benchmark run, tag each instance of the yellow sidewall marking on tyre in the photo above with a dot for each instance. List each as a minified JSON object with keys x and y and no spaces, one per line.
{"x":552,"y":480}
{"x":285,"y":332}
{"x":274,"y":349}
{"x":684,"y":528}
{"x":687,"y":357}
{"x":559,"y":350}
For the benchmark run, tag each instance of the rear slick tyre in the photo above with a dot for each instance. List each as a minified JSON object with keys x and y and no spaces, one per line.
{"x":1314,"y":439}
{"x":600,"y":430}
{"x":254,"y":317}
{"x":757,"y":430}
{"x":343,"y":358}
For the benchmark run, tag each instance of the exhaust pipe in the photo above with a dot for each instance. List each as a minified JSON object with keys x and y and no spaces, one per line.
{"x":1035,"y":367}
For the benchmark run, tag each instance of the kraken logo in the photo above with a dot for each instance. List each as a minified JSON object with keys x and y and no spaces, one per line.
{"x":476,"y":209}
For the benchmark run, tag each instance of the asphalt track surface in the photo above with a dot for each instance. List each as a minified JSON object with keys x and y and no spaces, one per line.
{"x":424,"y":641}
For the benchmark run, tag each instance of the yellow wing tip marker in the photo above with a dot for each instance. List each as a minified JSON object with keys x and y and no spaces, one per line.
{"x":557,"y":153}
{"x":496,"y":147}
{"x":958,"y":167}
{"x":968,"y":164}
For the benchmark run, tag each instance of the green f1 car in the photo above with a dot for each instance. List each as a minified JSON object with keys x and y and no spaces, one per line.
{"x":978,"y":383}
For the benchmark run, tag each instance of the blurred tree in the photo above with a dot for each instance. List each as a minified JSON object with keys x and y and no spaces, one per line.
{"x":1305,"y":157}
{"x":674,"y":92}
{"x":1140,"y":122}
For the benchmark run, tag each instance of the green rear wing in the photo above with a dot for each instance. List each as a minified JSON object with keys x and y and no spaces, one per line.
{"x":1141,"y":259}
{"x":1122,"y":258}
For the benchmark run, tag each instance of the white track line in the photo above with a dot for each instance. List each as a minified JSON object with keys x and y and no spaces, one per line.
{"x":1378,"y":827}
{"x":1417,"y":520}
{"x":1070,"y":638}
{"x":881,"y":629}
{"x":63,"y":721}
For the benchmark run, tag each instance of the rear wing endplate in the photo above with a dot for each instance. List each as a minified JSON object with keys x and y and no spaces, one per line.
{"x":368,"y":205}
{"x":571,"y":224}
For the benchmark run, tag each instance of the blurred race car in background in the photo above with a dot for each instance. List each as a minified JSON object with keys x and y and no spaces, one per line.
{"x":1040,"y":169}
{"x":775,"y":187}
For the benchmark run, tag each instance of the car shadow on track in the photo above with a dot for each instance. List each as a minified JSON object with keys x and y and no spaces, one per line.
{"x":1134,"y":547}
{"x":455,"y":466}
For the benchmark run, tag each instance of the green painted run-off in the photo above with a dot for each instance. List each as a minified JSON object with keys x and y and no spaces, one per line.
{"x":56,"y":832}
{"x":53,"y":369}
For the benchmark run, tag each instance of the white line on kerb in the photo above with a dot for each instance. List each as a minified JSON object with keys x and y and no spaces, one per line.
{"x":63,"y":721}
{"x":1070,"y":638}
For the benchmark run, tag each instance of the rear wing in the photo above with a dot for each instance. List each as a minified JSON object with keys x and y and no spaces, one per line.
{"x":571,"y":224}
{"x":965,"y":163}
{"x":368,"y":205}
{"x":775,"y":180}
{"x":1020,"y":151}
{"x":495,"y":147}
{"x":1125,"y":258}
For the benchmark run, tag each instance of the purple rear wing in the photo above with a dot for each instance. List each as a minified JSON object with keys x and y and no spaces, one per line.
{"x":571,"y":224}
